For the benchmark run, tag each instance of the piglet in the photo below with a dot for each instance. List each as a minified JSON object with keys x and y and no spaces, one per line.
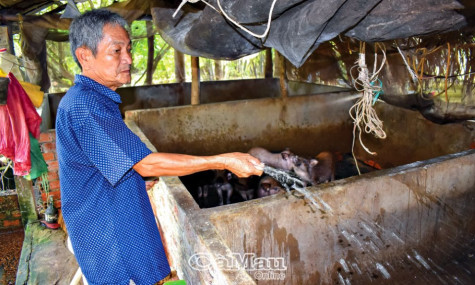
{"x":223,"y":186}
{"x":285,"y":160}
{"x":268,"y":186}
{"x":282,"y":160}
{"x":244,"y":186}
{"x":320,"y":169}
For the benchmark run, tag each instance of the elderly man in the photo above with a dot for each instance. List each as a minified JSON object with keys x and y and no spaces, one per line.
{"x":102,"y":163}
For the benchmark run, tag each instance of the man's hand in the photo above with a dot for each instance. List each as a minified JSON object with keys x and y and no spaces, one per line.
{"x":242,"y":164}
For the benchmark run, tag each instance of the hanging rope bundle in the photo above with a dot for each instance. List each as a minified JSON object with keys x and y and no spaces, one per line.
{"x":362,"y":112}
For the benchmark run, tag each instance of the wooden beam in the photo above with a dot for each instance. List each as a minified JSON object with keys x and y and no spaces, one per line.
{"x":151,"y":49}
{"x":284,"y":93}
{"x":179,"y":67}
{"x":268,"y":64}
{"x":218,"y":71}
{"x":195,"y":80}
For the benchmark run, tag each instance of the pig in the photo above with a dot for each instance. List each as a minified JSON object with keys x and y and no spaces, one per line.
{"x":198,"y":185}
{"x":245,"y":186}
{"x":285,"y":160}
{"x":320,"y":169}
{"x":202,"y":185}
{"x":346,"y":167}
{"x":202,"y":193}
{"x":222,"y":184}
{"x":324,"y":170}
{"x":268,"y":186}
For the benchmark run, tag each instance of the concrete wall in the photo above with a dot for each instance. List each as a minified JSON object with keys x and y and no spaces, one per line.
{"x":305,"y":124}
{"x":412,"y":220}
{"x":415,"y":213}
{"x":175,"y":94}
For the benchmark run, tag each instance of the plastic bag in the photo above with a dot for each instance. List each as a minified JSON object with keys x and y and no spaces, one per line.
{"x":38,"y":163}
{"x":23,"y":119}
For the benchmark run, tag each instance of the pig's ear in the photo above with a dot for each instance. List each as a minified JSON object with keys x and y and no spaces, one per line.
{"x":313,"y":162}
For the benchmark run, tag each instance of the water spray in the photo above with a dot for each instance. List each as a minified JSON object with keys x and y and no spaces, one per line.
{"x":289,"y":181}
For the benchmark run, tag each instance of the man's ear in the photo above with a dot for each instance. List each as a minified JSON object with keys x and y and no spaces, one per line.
{"x":84,"y":56}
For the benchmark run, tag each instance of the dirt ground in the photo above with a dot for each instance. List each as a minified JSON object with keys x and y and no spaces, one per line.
{"x":10,"y":249}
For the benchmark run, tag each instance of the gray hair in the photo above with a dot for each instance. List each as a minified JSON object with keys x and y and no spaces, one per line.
{"x":86,"y":30}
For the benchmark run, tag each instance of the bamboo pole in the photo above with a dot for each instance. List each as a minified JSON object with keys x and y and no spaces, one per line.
{"x":195,"y":80}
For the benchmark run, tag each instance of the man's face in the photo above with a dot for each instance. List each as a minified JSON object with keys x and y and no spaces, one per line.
{"x":111,"y":65}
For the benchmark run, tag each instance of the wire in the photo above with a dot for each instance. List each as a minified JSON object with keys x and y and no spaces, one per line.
{"x":221,"y":11}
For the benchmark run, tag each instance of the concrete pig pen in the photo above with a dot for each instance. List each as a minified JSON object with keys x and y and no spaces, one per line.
{"x":412,"y":222}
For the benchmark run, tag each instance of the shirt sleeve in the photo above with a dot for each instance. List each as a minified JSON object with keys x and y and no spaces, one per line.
{"x":111,"y":146}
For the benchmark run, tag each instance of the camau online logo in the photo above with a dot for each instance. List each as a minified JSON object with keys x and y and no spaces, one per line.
{"x":236,"y":261}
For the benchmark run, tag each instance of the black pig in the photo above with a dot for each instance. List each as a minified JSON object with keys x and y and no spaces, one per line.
{"x":320,"y":169}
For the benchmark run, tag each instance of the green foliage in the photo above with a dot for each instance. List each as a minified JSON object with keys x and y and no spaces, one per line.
{"x":61,"y":66}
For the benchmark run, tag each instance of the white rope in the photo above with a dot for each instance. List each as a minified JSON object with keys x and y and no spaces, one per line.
{"x":411,"y":72}
{"x":363,"y":114}
{"x":191,"y":1}
{"x":221,"y":11}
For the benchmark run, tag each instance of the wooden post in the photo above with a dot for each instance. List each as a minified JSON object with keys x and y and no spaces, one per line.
{"x":26,"y":200}
{"x":195,"y":80}
{"x":268,"y":64}
{"x":10,"y":39}
{"x":218,"y":71}
{"x":179,"y":67}
{"x":151,"y":49}
{"x":282,"y":76}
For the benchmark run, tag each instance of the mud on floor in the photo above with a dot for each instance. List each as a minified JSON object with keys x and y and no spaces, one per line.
{"x":11,"y":243}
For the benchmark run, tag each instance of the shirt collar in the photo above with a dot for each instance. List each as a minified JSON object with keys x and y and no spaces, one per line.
{"x":96,"y":86}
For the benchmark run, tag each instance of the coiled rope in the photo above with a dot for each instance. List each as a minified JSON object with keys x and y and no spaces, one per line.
{"x":362,"y":112}
{"x":221,"y":11}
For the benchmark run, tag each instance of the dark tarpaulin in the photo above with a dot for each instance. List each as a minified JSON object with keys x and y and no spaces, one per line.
{"x":299,"y":27}
{"x":201,"y":32}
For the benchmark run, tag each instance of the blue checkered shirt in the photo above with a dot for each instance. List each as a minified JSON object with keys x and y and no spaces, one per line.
{"x":104,"y":202}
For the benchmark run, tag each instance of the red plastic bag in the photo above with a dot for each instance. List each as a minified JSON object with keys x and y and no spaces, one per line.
{"x":23,"y":119}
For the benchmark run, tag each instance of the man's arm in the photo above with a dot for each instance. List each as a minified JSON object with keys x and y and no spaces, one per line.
{"x":173,"y":164}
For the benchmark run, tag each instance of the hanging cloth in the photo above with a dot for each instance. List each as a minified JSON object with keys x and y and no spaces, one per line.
{"x":7,"y":144}
{"x":38,"y":163}
{"x":18,"y":119}
{"x":32,"y":90}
